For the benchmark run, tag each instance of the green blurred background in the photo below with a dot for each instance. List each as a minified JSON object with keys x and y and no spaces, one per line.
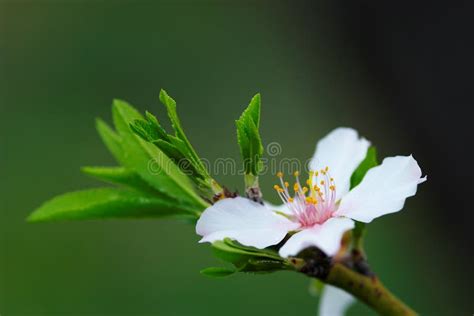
{"x":62,"y":62}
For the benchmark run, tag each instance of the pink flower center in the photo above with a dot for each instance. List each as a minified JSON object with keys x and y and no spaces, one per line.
{"x":311,"y":204}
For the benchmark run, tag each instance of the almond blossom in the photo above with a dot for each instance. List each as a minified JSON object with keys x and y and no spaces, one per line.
{"x":318,"y":212}
{"x":334,"y":301}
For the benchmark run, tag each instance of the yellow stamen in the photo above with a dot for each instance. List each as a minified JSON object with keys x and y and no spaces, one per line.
{"x":279,"y":174}
{"x":296,"y":174}
{"x":287,"y":184}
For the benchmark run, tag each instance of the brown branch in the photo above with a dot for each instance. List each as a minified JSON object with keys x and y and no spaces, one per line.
{"x":351,"y":273}
{"x":368,"y":289}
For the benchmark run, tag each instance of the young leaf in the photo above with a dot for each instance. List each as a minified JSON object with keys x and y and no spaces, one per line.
{"x":259,"y":265}
{"x":119,"y":175}
{"x":112,"y":140}
{"x":265,"y":252}
{"x":217,"y":272}
{"x":142,"y":129}
{"x":149,"y":162}
{"x":175,"y":122}
{"x":315,"y":287}
{"x":153,"y":121}
{"x":149,"y":129}
{"x":249,"y":259}
{"x":176,"y":147}
{"x":369,"y":162}
{"x":102,"y":203}
{"x":248,"y":137}
{"x":169,"y":150}
{"x":229,"y":248}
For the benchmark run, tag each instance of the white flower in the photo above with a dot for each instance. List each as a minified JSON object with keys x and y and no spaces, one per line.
{"x":317,"y":213}
{"x":334,"y":301}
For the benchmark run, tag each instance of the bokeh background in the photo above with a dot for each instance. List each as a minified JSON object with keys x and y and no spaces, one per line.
{"x":401,"y":74}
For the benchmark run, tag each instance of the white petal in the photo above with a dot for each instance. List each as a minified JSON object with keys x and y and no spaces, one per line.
{"x":283,"y":208}
{"x":383,"y":189}
{"x":334,"y":301}
{"x":248,"y":222}
{"x":342,"y":151}
{"x":326,"y":237}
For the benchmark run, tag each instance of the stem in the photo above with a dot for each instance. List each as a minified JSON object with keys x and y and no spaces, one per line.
{"x":367,"y":289}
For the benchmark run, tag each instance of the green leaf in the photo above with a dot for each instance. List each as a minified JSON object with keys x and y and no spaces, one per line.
{"x":153,"y":121}
{"x":369,"y":162}
{"x":102,"y":203}
{"x":249,"y":259}
{"x":142,"y":129}
{"x":259,"y":265}
{"x":270,"y":253}
{"x":149,"y":162}
{"x":176,"y":124}
{"x":217,"y":272}
{"x":248,"y":137}
{"x":316,"y":287}
{"x":120,"y":176}
{"x":229,"y":248}
{"x":176,"y":147}
{"x":358,"y":234}
{"x":111,"y":140}
{"x":254,"y":109}
{"x":149,"y":129}
{"x":169,"y":149}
